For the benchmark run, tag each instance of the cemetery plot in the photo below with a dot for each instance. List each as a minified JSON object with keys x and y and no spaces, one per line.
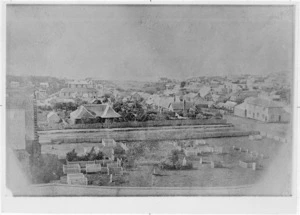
{"x":77,"y":179}
{"x":93,"y":168}
{"x":71,"y":169}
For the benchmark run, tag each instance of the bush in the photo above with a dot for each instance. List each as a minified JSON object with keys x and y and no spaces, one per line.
{"x":72,"y":156}
{"x":90,"y":156}
{"x":174,"y":162}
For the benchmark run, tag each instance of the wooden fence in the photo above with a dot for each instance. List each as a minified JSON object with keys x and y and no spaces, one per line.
{"x":135,"y":124}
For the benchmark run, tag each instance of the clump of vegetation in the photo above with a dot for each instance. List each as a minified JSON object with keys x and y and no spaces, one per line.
{"x":90,"y":156}
{"x":175,"y":162}
{"x":119,"y":153}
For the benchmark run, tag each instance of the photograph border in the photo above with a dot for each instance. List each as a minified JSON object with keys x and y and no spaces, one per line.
{"x":193,"y":204}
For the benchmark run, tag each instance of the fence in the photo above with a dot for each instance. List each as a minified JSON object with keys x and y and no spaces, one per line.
{"x":82,"y":164}
{"x":115,"y":170}
{"x":270,"y":136}
{"x":77,"y":179}
{"x":92,"y":168}
{"x":247,"y":165}
{"x":136,"y":124}
{"x":175,"y":134}
{"x":71,"y":169}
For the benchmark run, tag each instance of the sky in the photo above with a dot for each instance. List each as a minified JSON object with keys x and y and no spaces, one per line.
{"x":143,"y":43}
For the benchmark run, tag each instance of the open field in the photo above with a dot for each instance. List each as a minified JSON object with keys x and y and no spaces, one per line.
{"x":277,"y":129}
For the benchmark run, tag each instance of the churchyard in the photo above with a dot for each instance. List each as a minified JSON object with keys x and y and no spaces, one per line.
{"x":215,"y":162}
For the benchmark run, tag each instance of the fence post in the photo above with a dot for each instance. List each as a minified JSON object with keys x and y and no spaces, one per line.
{"x":212,"y":164}
{"x":110,"y":178}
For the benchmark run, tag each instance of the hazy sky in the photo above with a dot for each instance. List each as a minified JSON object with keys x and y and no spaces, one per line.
{"x":147,"y":42}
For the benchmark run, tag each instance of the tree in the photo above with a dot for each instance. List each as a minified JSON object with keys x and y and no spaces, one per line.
{"x":182,"y":84}
{"x":174,"y":157}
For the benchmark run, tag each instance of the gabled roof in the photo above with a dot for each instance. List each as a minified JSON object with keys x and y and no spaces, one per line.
{"x":240,"y":106}
{"x":109,"y":143}
{"x":204,"y":90}
{"x":199,"y":100}
{"x":263,"y":102}
{"x":80,"y":113}
{"x":52,"y":113}
{"x":101,"y":110}
{"x":181,"y":105}
{"x":230,"y":104}
{"x":165,"y":101}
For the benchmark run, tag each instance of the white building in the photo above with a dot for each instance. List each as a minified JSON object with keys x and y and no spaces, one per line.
{"x":263,"y":110}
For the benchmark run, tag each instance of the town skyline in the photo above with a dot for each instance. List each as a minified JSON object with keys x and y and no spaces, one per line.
{"x":145,"y":43}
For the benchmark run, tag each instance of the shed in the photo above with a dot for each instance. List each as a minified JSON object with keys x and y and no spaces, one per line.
{"x":53,"y":117}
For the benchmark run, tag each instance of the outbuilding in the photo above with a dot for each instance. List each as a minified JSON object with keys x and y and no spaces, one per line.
{"x":53,"y":118}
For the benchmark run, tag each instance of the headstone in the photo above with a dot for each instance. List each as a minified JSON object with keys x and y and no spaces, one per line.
{"x":184,"y":162}
{"x":152,"y":180}
{"x":201,"y":160}
{"x":110,"y":178}
{"x":254,"y":166}
{"x":97,"y":150}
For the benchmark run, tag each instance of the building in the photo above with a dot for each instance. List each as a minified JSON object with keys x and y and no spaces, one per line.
{"x":41,"y":94}
{"x":240,"y":96}
{"x":263,"y":110}
{"x":44,"y":84}
{"x":78,"y":84}
{"x":199,"y":101}
{"x":240,"y":110}
{"x":181,"y":107}
{"x":229,"y":105}
{"x":164,"y":103}
{"x":14,"y":84}
{"x":139,"y":95}
{"x":204,"y":91}
{"x":93,"y":113}
{"x":53,"y":118}
{"x":78,"y":92}
{"x":109,"y":143}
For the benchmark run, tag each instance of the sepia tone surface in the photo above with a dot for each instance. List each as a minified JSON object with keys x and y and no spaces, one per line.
{"x":140,"y":100}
